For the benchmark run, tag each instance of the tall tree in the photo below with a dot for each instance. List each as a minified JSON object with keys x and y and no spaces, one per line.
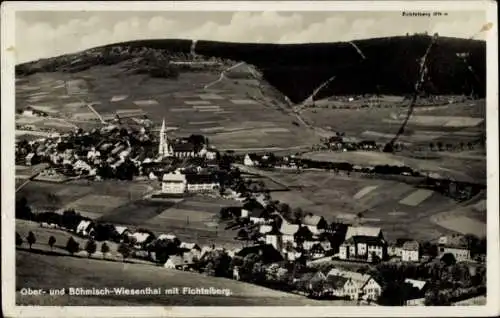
{"x":52,"y":241}
{"x":90,"y":247}
{"x":124,"y":250}
{"x":104,"y":249}
{"x":72,"y":246}
{"x":31,"y":239}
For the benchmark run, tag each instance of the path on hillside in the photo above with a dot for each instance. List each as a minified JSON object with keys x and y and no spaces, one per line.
{"x":222,"y":75}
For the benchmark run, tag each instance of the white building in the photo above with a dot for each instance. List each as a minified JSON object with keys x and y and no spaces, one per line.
{"x":410,"y":252}
{"x":174,"y":183}
{"x":247,"y":161}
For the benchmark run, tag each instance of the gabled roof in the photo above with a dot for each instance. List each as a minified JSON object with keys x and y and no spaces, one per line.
{"x":140,"y":237}
{"x":268,"y":252}
{"x":358,"y":278}
{"x":312,"y":220}
{"x":120,"y":229}
{"x":264,"y":229}
{"x":416,"y":283}
{"x":166,"y":237}
{"x":178,"y":260}
{"x":362,"y":231}
{"x":411,"y":246}
{"x":189,"y":246}
{"x":183,"y":147}
{"x":288,"y":229}
{"x":336,"y":282}
{"x":368,"y":240}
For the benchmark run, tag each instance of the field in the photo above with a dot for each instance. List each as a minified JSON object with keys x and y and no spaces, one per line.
{"x":465,"y":168}
{"x":453,"y":123}
{"x":232,"y":113}
{"x":193,"y":219}
{"x":52,"y":272}
{"x":400,"y":209}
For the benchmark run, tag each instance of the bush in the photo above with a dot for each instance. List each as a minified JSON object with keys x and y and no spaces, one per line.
{"x":31,"y":239}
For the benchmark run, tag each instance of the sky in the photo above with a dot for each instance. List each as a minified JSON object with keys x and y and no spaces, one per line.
{"x":43,"y":34}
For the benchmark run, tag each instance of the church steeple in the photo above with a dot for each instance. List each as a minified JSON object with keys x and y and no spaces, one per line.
{"x":164,"y":149}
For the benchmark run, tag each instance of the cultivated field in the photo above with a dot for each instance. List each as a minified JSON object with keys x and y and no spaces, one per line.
{"x":447,"y":124}
{"x":400,"y":209}
{"x":232,"y":113}
{"x":193,"y":219}
{"x":462,"y":168}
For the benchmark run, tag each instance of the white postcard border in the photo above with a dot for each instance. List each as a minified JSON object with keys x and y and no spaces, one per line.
{"x":7,"y":162}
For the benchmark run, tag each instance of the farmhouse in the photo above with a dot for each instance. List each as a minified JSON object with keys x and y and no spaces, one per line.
{"x":122,"y":231}
{"x":192,"y":248}
{"x":338,"y":286}
{"x":410,"y":252}
{"x":140,"y":238}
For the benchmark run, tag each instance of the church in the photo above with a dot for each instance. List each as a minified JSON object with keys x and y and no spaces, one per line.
{"x":182,"y":148}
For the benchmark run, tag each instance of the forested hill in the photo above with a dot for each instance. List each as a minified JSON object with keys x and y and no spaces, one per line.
{"x":380,"y":65}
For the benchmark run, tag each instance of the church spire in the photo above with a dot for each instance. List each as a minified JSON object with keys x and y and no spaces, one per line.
{"x":161,"y":147}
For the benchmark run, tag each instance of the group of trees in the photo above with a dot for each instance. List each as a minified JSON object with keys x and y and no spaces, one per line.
{"x":73,"y":247}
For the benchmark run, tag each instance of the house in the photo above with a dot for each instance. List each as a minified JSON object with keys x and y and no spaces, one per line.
{"x":32,"y":159}
{"x":317,"y":250}
{"x":85,"y":228}
{"x":184,"y":149}
{"x":201,"y":182}
{"x":338,"y":286}
{"x":268,"y":253}
{"x":174,"y":183}
{"x":455,"y":245}
{"x":122,"y":231}
{"x":358,"y":285}
{"x":288,"y":232}
{"x":461,"y":253}
{"x":410,"y":252}
{"x":310,"y":281}
{"x":166,"y":237}
{"x":272,"y":236}
{"x":251,"y":160}
{"x":362,"y":243}
{"x":192,"y":248}
{"x":254,"y":211}
{"x":181,"y":262}
{"x":363,"y":248}
{"x":140,"y":238}
{"x":316,"y":224}
{"x":417,"y":295}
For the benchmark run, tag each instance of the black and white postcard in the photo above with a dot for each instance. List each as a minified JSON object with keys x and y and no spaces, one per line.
{"x":257,"y":159}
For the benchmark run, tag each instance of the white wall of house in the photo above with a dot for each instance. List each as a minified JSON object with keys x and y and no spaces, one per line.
{"x":372,"y":289}
{"x":275,"y":241}
{"x":459,"y":253}
{"x":343,"y":251}
{"x":409,"y":256}
{"x":175,"y":187}
{"x":362,"y":249}
{"x":351,"y":289}
{"x":378,"y":250}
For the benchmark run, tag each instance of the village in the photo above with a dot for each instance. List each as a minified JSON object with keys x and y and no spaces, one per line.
{"x":284,"y":248}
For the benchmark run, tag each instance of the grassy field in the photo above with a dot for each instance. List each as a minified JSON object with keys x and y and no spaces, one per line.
{"x":457,"y":167}
{"x":399,"y":209}
{"x":193,"y":219}
{"x":44,"y":271}
{"x":233,"y":113}
{"x":447,"y":124}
